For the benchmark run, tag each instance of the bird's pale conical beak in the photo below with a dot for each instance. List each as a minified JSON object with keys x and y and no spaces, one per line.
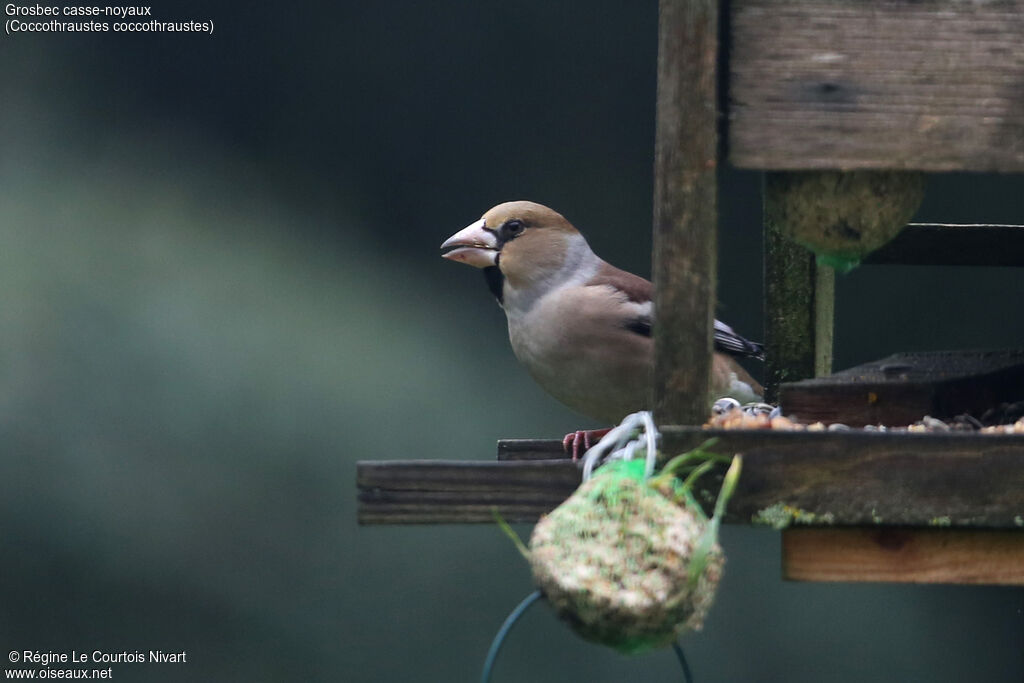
{"x":473,"y":245}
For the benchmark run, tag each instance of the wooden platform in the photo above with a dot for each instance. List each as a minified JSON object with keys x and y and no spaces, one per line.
{"x":853,"y":506}
{"x":789,"y":478}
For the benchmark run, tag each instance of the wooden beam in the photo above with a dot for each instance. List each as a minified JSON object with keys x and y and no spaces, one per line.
{"x":939,"y":244}
{"x":799,"y":308}
{"x":529,"y":449}
{"x":789,"y":478}
{"x":685,"y":208}
{"x":887,"y":84}
{"x":904,"y":555}
{"x":445,"y":491}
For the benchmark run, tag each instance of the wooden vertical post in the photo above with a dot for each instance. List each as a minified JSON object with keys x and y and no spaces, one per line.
{"x":685,"y":209}
{"x":799,"y":310}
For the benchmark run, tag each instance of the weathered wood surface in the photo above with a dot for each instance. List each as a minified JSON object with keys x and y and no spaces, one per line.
{"x":932,"y":244}
{"x":427,"y":492}
{"x":685,"y":208}
{"x":799,"y":309}
{"x":864,"y":478}
{"x":902,"y":388}
{"x":904,"y":555}
{"x":822,"y":478}
{"x":530,"y":449}
{"x":821,"y":84}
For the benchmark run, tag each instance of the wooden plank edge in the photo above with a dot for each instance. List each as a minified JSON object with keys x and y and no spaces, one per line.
{"x":531,"y":449}
{"x":466,"y":475}
{"x":950,"y":556}
{"x":681,"y":437}
{"x":442,"y":492}
{"x":789,"y":479}
{"x":462,"y":513}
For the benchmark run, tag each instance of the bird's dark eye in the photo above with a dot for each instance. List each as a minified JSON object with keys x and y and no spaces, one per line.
{"x":512,"y":228}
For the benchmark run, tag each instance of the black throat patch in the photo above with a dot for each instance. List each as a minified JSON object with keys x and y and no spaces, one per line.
{"x":495,"y":282}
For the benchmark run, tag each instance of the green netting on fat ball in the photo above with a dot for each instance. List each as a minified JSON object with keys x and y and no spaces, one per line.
{"x":629,"y":562}
{"x":843,"y":263}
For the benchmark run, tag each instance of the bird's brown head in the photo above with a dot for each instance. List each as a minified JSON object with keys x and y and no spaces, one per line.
{"x":523,"y":239}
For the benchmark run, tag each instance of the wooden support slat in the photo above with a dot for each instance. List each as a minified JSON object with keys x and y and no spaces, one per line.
{"x":444,"y":491}
{"x":530,"y":449}
{"x":465,"y":475}
{"x":904,"y":555}
{"x":822,"y":478}
{"x":685,"y":208}
{"x":937,"y":244}
{"x":799,"y":309}
{"x":887,"y":84}
{"x":460,"y":511}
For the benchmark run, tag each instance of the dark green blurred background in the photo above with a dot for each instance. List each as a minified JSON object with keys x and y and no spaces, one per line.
{"x":220,"y":287}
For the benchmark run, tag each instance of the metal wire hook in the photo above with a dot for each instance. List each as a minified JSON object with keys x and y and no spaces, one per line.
{"x":513,"y":617}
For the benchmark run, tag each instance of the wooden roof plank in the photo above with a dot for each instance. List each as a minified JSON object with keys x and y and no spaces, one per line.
{"x":934,"y":86}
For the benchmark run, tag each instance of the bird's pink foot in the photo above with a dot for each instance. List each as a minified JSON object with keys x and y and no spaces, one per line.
{"x":579,"y":442}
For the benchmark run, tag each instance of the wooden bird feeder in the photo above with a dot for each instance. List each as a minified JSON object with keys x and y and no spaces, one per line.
{"x":819,"y":86}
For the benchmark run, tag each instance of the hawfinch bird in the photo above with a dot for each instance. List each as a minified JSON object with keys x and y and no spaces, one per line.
{"x":580,"y":326}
